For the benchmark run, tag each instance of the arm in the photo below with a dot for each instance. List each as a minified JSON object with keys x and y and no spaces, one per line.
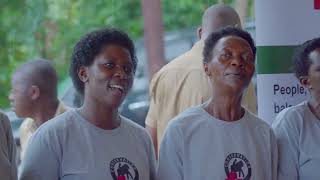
{"x":274,"y":156}
{"x":170,"y":157}
{"x":41,"y":160}
{"x":25,"y":134}
{"x":151,"y":119}
{"x":152,"y":159}
{"x":288,"y":148}
{"x":153,"y":133}
{"x":11,"y":149}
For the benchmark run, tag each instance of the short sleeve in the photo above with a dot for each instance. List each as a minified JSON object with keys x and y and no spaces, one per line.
{"x":170,"y":157}
{"x":41,"y":161}
{"x":288,"y":147}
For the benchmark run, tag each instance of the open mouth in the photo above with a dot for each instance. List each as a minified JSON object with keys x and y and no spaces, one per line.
{"x":119,"y":88}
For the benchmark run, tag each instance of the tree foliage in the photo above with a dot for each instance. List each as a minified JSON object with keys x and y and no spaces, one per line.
{"x":31,"y":29}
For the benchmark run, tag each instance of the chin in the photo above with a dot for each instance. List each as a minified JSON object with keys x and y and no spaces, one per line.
{"x":115,"y":103}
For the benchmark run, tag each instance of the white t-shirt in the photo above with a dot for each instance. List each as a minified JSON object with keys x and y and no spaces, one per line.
{"x":297,"y":131}
{"x":198,"y":146}
{"x":69,"y":147}
{"x":8,"y":167}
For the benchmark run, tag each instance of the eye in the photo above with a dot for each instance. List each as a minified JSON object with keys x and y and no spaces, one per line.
{"x":127,"y":69}
{"x":109,"y":65}
{"x":225,"y":55}
{"x":247,"y":57}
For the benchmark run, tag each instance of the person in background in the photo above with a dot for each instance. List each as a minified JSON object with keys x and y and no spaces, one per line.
{"x":177,"y":85}
{"x":220,"y":139}
{"x":34,"y":96}
{"x":8,"y":167}
{"x":297,"y":128}
{"x":94,"y":141}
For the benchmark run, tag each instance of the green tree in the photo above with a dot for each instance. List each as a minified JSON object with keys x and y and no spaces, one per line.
{"x":49,"y":29}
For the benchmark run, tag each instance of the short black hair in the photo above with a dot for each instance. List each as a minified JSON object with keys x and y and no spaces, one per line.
{"x":91,"y":44}
{"x":214,"y":37}
{"x":301,"y":60}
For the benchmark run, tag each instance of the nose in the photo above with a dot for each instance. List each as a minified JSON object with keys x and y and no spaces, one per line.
{"x":237,"y":62}
{"x":119,"y":72}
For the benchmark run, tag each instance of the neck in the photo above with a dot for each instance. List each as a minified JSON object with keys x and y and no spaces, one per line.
{"x":314,"y":105}
{"x":225,"y":107}
{"x":99,"y":114}
{"x":45,"y":111}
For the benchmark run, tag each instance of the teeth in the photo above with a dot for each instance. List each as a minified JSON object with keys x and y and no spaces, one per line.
{"x":117,"y":86}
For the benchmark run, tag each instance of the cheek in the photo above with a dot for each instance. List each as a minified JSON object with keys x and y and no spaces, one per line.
{"x":315,"y":80}
{"x":131,"y":80}
{"x":251,"y":68}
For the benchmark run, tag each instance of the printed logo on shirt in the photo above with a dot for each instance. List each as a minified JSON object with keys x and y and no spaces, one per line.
{"x":237,"y":167}
{"x":123,"y":169}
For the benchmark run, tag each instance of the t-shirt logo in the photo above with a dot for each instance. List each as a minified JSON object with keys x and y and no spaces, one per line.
{"x":237,"y":167}
{"x":123,"y":169}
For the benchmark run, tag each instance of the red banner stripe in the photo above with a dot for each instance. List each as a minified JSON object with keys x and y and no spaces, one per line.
{"x":316,"y":4}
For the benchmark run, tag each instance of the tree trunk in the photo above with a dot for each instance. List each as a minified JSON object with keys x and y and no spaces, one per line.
{"x":153,"y":35}
{"x":241,"y":7}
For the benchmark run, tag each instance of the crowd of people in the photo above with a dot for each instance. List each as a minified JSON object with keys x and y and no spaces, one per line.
{"x":201,"y":123}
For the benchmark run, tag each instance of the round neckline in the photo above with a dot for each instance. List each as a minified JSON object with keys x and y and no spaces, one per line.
{"x":91,"y":125}
{"x":223,"y":122}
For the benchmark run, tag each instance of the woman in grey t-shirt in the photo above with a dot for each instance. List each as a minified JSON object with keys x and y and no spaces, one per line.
{"x":298,"y":128}
{"x":220,"y":139}
{"x":94,"y":141}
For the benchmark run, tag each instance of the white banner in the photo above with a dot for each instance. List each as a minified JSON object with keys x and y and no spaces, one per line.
{"x":276,"y":92}
{"x":286,"y":22}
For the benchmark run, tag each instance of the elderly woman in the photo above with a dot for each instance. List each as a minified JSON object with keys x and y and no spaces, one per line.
{"x":220,"y":139}
{"x":94,"y":141}
{"x":297,"y":128}
{"x":8,"y":168}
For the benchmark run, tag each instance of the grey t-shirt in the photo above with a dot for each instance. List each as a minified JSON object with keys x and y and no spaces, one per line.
{"x":297,"y":131}
{"x":69,"y":147}
{"x":198,"y":146}
{"x":8,"y":168}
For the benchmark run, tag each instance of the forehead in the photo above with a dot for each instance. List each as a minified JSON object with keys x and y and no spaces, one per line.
{"x":315,"y":56}
{"x":115,"y":51}
{"x":232,"y":42}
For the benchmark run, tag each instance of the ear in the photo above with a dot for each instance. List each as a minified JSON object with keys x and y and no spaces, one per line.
{"x":304,"y":80}
{"x":83,"y":74}
{"x":199,"y":32}
{"x":34,"y":92}
{"x":206,"y":69}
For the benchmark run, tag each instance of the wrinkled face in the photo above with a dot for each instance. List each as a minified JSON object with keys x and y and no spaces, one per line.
{"x":110,"y":77}
{"x":314,"y":72}
{"x":232,"y":64}
{"x":20,"y":100}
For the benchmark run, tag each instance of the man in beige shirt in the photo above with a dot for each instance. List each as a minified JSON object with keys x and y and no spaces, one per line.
{"x":182,"y":83}
{"x":34,"y":96}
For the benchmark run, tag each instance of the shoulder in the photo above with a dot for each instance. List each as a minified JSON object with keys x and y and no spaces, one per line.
{"x":56,"y":127}
{"x":189,"y":118}
{"x":27,"y":124}
{"x":137,"y":132}
{"x":256,"y":121}
{"x":292,"y":116}
{"x":4,"y":118}
{"x":4,"y":121}
{"x":185,"y":63}
{"x":133,"y":127}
